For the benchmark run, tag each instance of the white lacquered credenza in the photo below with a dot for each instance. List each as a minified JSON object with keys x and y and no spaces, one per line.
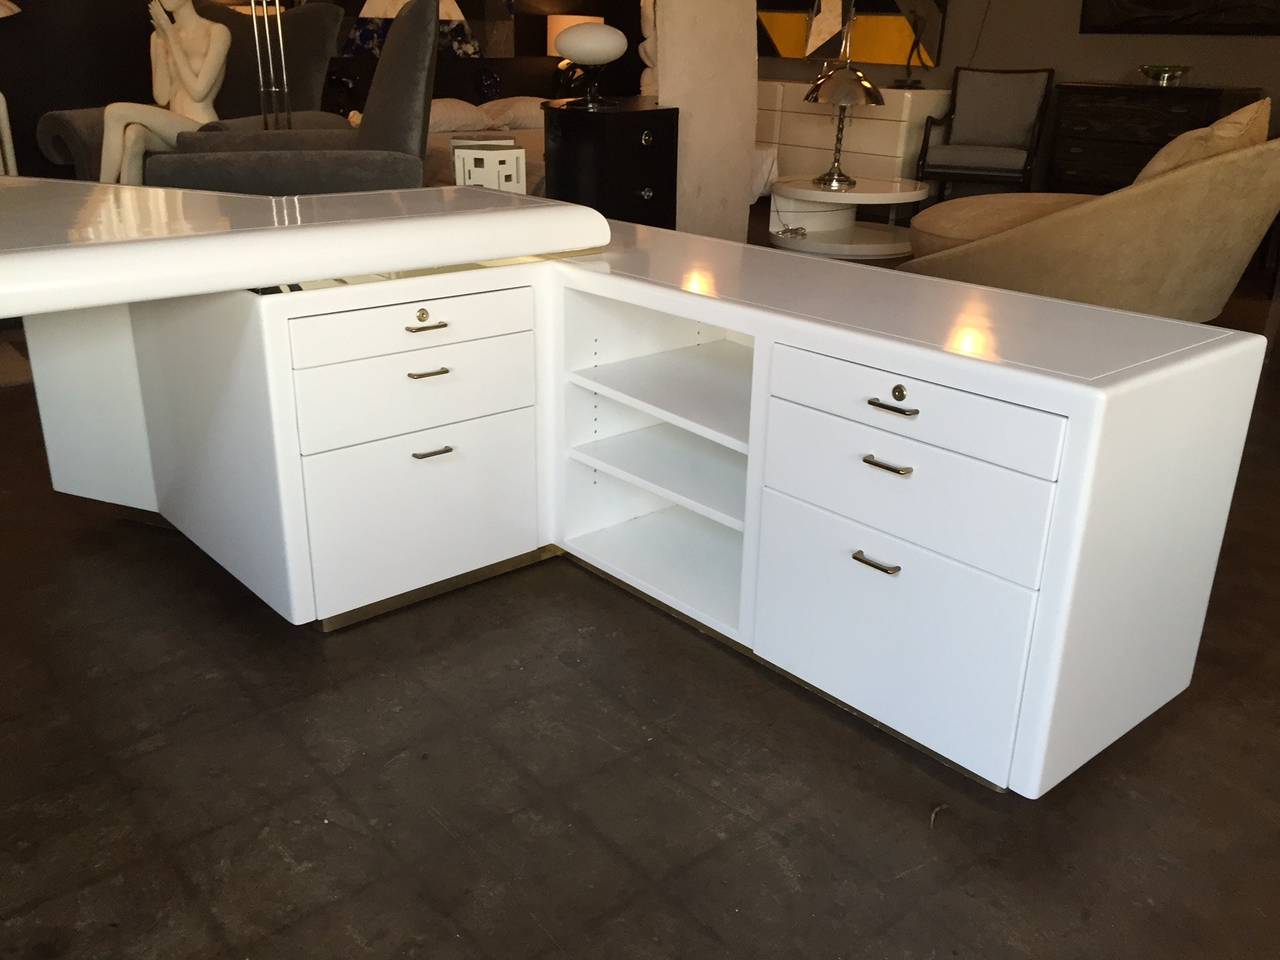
{"x":987,"y":521}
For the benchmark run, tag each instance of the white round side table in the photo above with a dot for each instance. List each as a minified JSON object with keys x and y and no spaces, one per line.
{"x":806,"y":218}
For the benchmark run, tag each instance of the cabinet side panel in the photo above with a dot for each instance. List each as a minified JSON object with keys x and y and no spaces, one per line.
{"x":86,"y":378}
{"x":216,"y":384}
{"x":1155,"y":507}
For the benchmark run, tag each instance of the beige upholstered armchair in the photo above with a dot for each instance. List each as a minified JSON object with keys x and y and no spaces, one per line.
{"x":1174,"y":245}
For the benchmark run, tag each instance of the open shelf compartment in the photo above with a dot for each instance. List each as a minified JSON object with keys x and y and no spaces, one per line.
{"x":705,"y":389}
{"x":657,"y":410}
{"x":686,"y":469}
{"x":680,"y":558}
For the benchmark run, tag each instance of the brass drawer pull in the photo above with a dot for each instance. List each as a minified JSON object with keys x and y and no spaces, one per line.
{"x":423,"y":316}
{"x":861,"y":557}
{"x":871,"y":461}
{"x":432,"y":453}
{"x":893,"y":408}
{"x":430,"y":373}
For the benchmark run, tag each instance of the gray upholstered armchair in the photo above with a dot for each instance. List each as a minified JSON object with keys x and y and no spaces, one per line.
{"x":991,"y":133}
{"x":385,"y":152}
{"x":74,"y":137}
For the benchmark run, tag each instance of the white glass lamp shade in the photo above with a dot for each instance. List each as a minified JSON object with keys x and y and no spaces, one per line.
{"x":558,"y":23}
{"x":591,"y":44}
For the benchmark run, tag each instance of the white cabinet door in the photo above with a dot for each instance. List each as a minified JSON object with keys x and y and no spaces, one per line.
{"x":398,"y":514}
{"x":934,"y":649}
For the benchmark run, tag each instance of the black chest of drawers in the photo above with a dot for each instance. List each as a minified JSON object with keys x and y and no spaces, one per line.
{"x":1104,"y":134}
{"x":620,"y":159}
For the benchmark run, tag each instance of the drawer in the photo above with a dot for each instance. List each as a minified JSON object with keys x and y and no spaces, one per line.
{"x":383,"y":522}
{"x":348,"y":403}
{"x":1004,"y":433}
{"x":398,"y":327}
{"x":1142,"y":116}
{"x":981,"y":514}
{"x":1100,"y":160}
{"x":935,"y":651}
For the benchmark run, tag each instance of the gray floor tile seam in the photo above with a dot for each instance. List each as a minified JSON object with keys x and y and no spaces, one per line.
{"x":246,"y":950}
{"x":690,"y":744}
{"x":559,"y":952}
{"x":100,"y":767}
{"x":766,"y":825}
{"x":124,"y":755}
{"x":896,"y":916}
{"x":331,"y":781}
{"x":153,"y":842}
{"x":58,"y":638}
{"x":224,"y":937}
{"x":166,"y":854}
{"x":442,"y":907}
{"x":567,"y":790}
{"x":474,"y":843}
{"x":553,"y":796}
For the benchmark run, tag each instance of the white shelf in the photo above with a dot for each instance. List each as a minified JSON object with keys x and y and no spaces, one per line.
{"x":677,"y":557}
{"x":704,"y":389}
{"x":673,"y":463}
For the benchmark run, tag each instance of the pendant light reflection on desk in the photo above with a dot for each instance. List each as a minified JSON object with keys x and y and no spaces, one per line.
{"x":971,"y":335}
{"x":699,"y":280}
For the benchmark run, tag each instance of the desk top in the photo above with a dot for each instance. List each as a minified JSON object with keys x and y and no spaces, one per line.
{"x":67,"y":244}
{"x":1065,"y":340}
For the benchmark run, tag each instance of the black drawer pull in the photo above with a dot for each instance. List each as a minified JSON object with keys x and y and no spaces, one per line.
{"x":430,"y":373}
{"x":893,"y":408}
{"x":884,"y":568}
{"x":646,"y":138}
{"x":646,"y":193}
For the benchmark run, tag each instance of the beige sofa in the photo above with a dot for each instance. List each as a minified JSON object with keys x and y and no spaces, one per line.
{"x":1174,"y":244}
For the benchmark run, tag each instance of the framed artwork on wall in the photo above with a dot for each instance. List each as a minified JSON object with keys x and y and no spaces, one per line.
{"x":1222,"y":17}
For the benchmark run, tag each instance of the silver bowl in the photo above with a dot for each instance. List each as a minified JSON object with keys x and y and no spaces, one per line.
{"x":1163,"y":74}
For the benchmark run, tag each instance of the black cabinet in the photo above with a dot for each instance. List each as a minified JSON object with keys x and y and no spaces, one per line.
{"x":619,"y":159}
{"x":1105,"y":133}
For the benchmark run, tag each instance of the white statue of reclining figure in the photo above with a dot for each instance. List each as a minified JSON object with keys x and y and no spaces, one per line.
{"x":188,"y":63}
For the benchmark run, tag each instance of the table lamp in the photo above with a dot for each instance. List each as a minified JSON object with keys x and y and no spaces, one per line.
{"x":588,"y":48}
{"x":842,"y":85}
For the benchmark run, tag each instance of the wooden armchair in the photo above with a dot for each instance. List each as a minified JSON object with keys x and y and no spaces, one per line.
{"x":992,"y":129}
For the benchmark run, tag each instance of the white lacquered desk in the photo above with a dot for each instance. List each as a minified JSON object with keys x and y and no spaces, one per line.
{"x":988,"y":521}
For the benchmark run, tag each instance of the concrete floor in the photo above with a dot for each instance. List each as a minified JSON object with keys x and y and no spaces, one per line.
{"x":545,"y":766}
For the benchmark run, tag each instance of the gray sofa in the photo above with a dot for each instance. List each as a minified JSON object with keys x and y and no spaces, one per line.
{"x":74,"y":137}
{"x":384,"y":153}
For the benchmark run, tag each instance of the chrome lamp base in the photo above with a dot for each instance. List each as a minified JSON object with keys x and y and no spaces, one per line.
{"x":835,"y":180}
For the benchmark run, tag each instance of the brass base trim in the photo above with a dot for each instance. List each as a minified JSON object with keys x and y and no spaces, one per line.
{"x":409,"y":597}
{"x":148,"y":518}
{"x":368,"y":612}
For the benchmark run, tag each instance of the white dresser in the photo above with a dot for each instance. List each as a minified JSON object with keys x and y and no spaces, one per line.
{"x":881,"y":143}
